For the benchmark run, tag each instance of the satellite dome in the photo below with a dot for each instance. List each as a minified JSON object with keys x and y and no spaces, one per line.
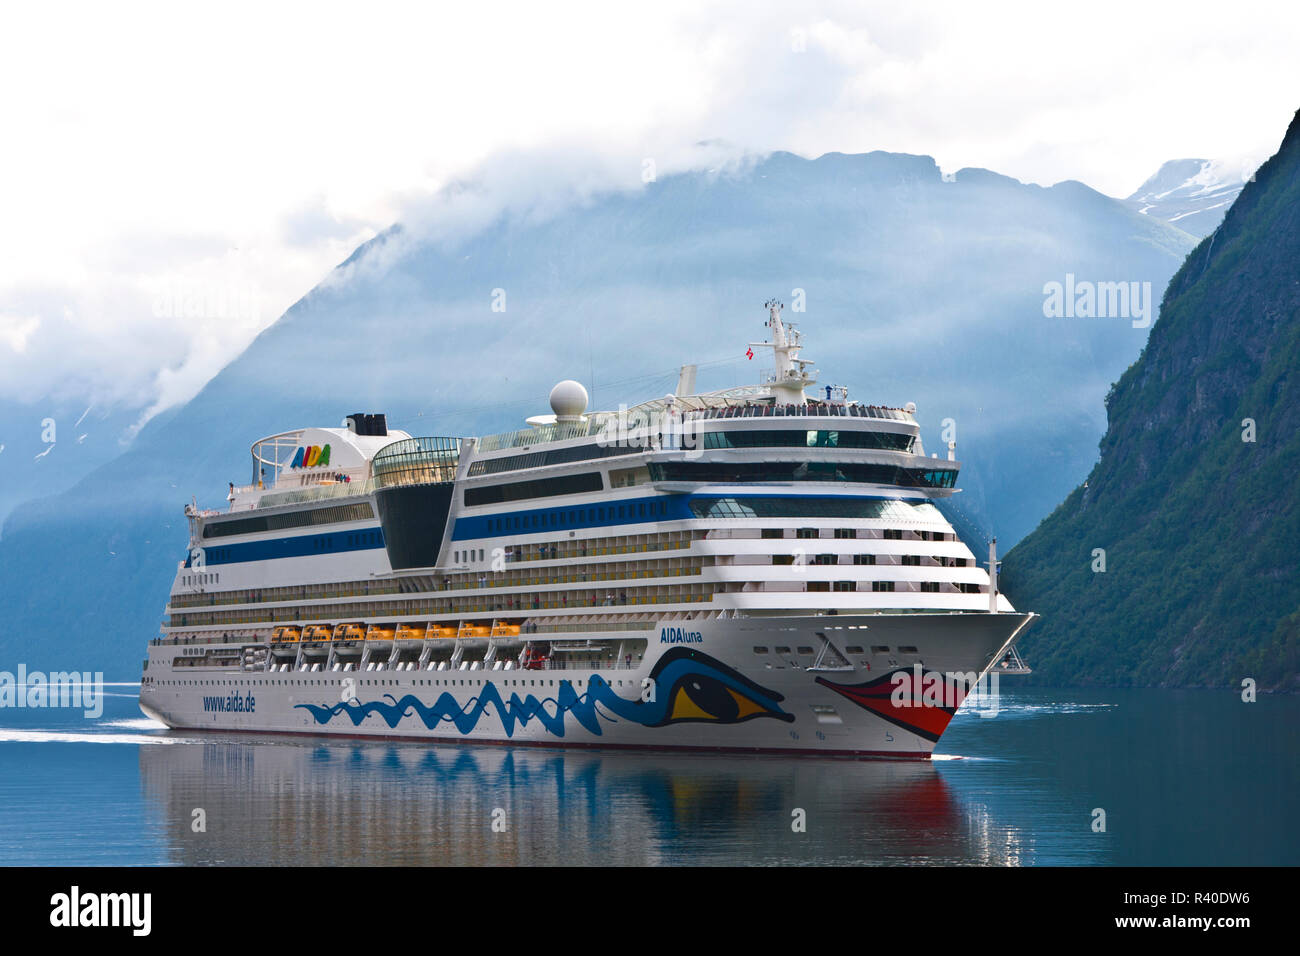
{"x":910,"y":408}
{"x":568,"y":401}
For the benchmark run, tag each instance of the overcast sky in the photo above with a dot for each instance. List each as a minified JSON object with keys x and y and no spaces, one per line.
{"x":172,"y":177}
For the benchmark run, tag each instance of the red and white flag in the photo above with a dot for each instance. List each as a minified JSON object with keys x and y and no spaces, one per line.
{"x":750,"y":354}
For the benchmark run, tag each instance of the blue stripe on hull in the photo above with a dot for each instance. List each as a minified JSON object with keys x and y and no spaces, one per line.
{"x":299,"y":546}
{"x":626,"y":511}
{"x":654,"y":508}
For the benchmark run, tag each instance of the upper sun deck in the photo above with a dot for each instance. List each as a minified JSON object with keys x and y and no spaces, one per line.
{"x":781,"y":394}
{"x":688,"y":410}
{"x":308,"y":464}
{"x":305,"y":464}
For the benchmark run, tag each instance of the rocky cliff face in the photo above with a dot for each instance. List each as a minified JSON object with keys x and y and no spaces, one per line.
{"x":1195,"y":501}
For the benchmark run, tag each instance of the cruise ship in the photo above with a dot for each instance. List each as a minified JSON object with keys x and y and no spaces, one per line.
{"x":762,"y":568}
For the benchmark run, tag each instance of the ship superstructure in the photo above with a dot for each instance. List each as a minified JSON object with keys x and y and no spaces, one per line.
{"x":757,"y":568}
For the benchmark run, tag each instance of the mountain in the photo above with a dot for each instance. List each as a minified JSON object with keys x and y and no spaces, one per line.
{"x":46,"y":447}
{"x":916,"y":289}
{"x":1196,"y":497}
{"x":1192,"y":194}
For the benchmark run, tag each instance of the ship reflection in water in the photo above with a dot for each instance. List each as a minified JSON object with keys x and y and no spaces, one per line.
{"x":231,"y":801}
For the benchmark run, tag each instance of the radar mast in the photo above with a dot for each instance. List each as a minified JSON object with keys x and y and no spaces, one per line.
{"x":791,"y":375}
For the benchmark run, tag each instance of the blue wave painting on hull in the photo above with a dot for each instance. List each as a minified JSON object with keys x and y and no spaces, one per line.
{"x":699,"y":688}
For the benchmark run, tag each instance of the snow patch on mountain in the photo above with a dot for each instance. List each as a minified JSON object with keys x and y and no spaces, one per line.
{"x":1194,"y":194}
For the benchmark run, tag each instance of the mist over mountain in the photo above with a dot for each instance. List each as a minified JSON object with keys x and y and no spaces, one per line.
{"x":1195,"y":501}
{"x":917,"y":288}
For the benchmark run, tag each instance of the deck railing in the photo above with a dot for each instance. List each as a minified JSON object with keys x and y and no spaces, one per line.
{"x":541,"y":434}
{"x":803,"y":410}
{"x":341,"y":489}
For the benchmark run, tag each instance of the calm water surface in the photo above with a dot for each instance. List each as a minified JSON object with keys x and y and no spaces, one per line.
{"x":1185,"y":777}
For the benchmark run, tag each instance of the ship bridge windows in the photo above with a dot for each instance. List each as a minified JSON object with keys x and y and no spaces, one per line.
{"x":725,"y":472}
{"x":557,"y":456}
{"x":801,"y":438}
{"x":536,"y":488}
{"x":335,"y":514}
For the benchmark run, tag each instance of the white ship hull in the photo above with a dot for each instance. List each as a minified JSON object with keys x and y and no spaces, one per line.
{"x":703,"y":686}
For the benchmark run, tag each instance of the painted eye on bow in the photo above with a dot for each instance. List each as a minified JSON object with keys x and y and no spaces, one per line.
{"x":692,"y":686}
{"x":700,"y":697}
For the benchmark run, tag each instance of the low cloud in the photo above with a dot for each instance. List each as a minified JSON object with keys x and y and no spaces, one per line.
{"x":231,"y":187}
{"x":16,"y":331}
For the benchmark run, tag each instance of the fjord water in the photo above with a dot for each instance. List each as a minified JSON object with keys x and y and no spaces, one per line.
{"x":1184,"y":778}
